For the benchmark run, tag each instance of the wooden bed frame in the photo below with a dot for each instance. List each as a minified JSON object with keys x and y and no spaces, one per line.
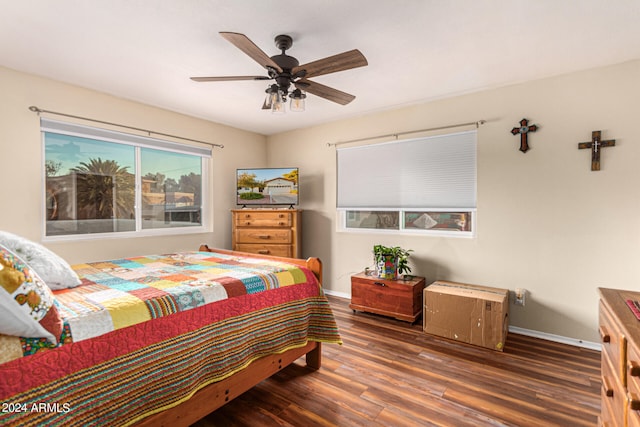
{"x":215,"y":395}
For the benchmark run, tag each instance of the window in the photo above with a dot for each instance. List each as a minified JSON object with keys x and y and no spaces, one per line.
{"x":99,"y":181}
{"x":425,"y":185}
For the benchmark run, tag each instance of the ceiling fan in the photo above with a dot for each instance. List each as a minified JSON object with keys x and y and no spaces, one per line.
{"x":286,"y":71}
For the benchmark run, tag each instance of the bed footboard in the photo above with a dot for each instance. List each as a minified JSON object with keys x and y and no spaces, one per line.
{"x":314,"y":264}
{"x":219,"y":393}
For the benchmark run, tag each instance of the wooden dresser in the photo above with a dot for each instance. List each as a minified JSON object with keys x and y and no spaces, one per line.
{"x":267,"y":231}
{"x":620,"y":334}
{"x":401,"y":299}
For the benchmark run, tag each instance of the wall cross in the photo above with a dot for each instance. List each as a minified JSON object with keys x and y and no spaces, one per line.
{"x":524,"y":130}
{"x":596,"y":144}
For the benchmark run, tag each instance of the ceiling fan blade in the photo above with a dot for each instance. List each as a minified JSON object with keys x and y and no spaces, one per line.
{"x":243,"y":43}
{"x":325,"y":92}
{"x":340,"y":62}
{"x":228,"y":78}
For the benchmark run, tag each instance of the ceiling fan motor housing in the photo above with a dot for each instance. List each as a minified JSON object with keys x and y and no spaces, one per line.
{"x":286,"y":62}
{"x":283,"y":42}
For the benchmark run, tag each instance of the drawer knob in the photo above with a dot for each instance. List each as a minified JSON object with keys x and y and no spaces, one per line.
{"x":634,"y":369}
{"x":606,"y":388}
{"x":604,"y":335}
{"x":264,"y":236}
{"x":281,"y":216}
{"x":248,"y":223}
{"x":634,"y":402}
{"x":379,"y":284}
{"x":281,"y":223}
{"x":263,"y":251}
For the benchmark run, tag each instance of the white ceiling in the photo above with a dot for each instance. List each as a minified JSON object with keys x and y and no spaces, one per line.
{"x":418,"y":50}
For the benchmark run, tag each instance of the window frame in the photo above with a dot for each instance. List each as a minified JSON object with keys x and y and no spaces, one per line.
{"x":341,"y":223}
{"x":137,"y":142}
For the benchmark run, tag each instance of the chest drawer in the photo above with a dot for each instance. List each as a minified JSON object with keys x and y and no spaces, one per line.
{"x":613,"y":396}
{"x":275,"y":250}
{"x":264,"y":219}
{"x":266,"y":235}
{"x":274,"y":232}
{"x":614,"y":345}
{"x":633,"y":385}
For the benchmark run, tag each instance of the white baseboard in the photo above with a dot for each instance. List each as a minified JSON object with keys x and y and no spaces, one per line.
{"x":337,"y":294}
{"x":556,"y":338}
{"x":516,"y":330}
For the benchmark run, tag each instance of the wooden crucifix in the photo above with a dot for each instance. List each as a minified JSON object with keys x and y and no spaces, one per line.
{"x":596,"y":144}
{"x":524,"y":130}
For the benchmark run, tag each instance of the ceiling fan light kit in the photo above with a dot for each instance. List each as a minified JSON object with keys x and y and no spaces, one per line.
{"x":297,"y":103}
{"x":291,"y":78}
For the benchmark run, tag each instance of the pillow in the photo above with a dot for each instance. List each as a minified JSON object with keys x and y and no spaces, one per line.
{"x":26,"y":303}
{"x":55,"y":271}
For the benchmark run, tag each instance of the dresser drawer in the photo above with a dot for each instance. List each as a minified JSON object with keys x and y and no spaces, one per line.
{"x":613,"y":395}
{"x":274,"y":232}
{"x":633,"y":385}
{"x":275,"y":250}
{"x":264,"y":219}
{"x":266,"y":235}
{"x":614,"y":345}
{"x":607,"y":411}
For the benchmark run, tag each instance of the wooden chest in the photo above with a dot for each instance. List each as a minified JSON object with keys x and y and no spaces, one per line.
{"x":267,"y":231}
{"x":401,"y":299}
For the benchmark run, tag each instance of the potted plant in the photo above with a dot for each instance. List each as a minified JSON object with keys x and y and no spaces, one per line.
{"x":391,"y":261}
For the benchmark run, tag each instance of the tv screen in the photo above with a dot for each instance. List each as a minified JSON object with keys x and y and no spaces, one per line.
{"x":267,"y":186}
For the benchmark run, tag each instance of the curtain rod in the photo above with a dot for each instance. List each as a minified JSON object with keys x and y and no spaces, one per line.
{"x":149,"y":132}
{"x":395,"y":135}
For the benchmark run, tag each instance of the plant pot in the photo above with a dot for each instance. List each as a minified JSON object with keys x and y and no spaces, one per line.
{"x":388,"y":267}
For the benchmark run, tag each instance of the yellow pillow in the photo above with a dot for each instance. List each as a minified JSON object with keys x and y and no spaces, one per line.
{"x":27,"y":307}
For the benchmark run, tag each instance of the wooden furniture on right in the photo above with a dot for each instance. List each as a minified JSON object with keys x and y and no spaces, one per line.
{"x":273,"y":232}
{"x":401,"y":299}
{"x":620,"y":334}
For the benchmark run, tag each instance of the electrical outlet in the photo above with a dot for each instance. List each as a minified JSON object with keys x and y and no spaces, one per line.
{"x":520,"y":296}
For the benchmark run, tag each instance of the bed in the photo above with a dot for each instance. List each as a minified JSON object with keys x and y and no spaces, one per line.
{"x":173,"y":337}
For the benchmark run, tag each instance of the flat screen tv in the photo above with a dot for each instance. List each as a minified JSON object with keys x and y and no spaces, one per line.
{"x":267,"y":186}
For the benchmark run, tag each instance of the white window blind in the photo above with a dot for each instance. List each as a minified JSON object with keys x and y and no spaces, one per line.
{"x":434,"y":172}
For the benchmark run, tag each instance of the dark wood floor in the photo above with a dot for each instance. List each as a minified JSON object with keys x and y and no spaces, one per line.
{"x":389,"y":373}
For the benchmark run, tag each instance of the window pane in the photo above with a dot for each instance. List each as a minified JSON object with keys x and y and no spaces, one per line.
{"x":89,"y":186}
{"x":171,"y":189}
{"x":381,"y":220}
{"x":457,"y":221}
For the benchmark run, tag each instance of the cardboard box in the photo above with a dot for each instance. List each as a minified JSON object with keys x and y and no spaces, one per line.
{"x":473,"y":314}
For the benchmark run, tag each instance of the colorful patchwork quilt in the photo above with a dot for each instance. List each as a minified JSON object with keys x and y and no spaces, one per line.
{"x":144,"y":333}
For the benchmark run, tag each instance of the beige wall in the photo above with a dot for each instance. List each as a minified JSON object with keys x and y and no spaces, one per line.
{"x":21,"y":163}
{"x":546,"y":222}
